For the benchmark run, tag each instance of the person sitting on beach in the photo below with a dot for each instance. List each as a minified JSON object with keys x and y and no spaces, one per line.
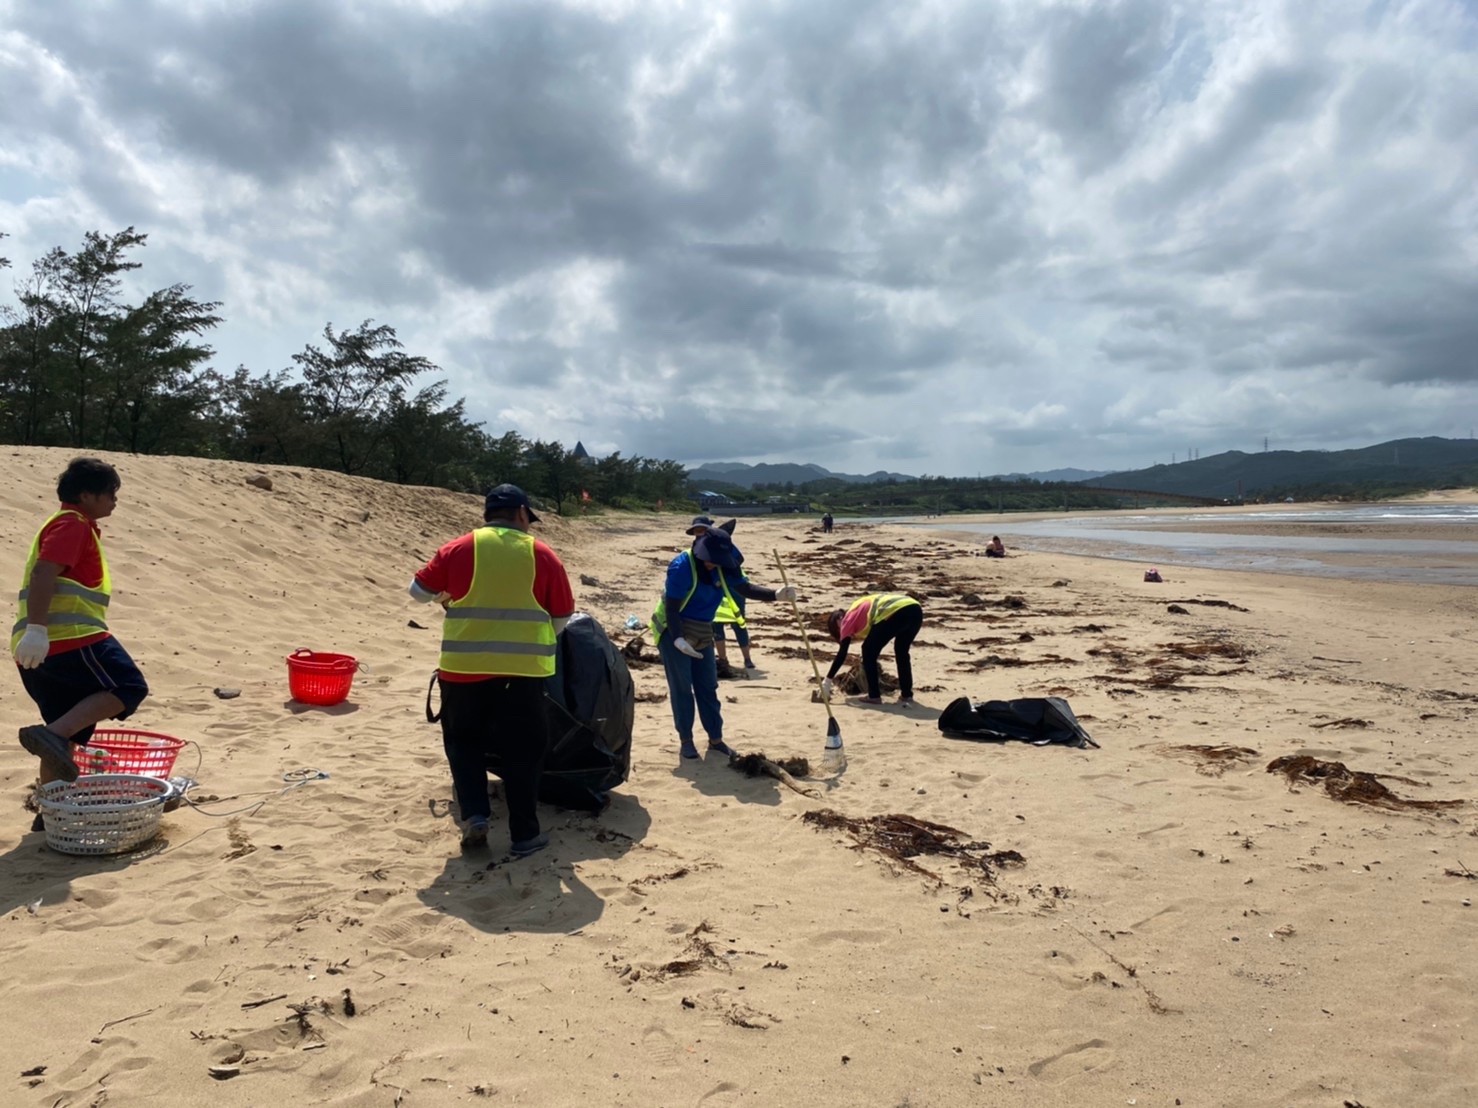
{"x":995,"y":548}
{"x":879,"y":618}
{"x":698,"y":581}
{"x":72,"y":667}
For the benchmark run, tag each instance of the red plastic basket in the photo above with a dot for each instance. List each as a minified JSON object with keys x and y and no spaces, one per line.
{"x":145,"y":753}
{"x":317,"y":678}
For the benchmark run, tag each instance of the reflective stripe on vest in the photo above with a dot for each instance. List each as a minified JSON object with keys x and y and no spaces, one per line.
{"x":498,"y":627}
{"x":659,"y":613}
{"x":884,"y":604}
{"x":76,"y":611}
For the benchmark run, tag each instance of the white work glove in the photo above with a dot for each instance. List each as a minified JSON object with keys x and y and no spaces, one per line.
{"x":31,"y":651}
{"x":786,"y":594}
{"x":826,"y":687}
{"x":686,"y":647}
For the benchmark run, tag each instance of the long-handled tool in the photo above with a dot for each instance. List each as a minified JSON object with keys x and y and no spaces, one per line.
{"x":833,"y":728}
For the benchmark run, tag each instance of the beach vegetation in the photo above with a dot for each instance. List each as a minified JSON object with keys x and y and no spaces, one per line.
{"x":86,"y":365}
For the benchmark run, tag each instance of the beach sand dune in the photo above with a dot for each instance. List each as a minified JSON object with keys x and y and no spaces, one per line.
{"x":1183,"y":926}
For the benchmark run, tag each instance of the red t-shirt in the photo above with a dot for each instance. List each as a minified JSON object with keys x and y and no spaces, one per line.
{"x":450,"y":571}
{"x":71,"y":541}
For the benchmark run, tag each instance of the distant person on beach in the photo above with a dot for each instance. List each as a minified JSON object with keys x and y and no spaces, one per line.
{"x":77,"y":673}
{"x":995,"y":548}
{"x":698,"y":581}
{"x":880,"y":618}
{"x":731,"y":614}
{"x":700,"y":525}
{"x":507,"y":597}
{"x":826,"y":524}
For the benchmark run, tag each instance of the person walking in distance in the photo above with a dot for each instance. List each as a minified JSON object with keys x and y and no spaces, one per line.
{"x":507,"y":597}
{"x":880,"y":618}
{"x":72,"y":667}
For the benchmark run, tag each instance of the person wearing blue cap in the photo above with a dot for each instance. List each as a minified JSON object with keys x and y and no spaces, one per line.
{"x":506,"y":597}
{"x":698,"y":581}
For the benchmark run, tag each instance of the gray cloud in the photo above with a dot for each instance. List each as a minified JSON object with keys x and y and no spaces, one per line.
{"x":969,"y":237}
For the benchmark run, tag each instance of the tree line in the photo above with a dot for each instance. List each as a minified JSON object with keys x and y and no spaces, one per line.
{"x":82,"y":367}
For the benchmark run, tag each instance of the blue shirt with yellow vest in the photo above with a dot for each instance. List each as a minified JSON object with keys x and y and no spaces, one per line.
{"x":696,"y":587}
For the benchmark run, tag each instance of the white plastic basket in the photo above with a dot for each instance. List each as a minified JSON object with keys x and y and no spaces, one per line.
{"x":102,"y":813}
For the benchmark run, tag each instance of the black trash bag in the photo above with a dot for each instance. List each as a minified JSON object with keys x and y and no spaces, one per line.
{"x":591,"y":705}
{"x":1037,"y":720}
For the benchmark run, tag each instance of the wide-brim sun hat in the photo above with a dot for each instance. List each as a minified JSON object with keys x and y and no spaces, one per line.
{"x":717,"y":547}
{"x":699,"y":524}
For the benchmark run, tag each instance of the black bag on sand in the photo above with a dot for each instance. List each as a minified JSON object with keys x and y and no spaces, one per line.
{"x":591,"y":704}
{"x":1037,"y":720}
{"x":590,"y":707}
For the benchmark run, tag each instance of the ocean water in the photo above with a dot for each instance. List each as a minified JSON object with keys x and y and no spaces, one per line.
{"x":1132,"y":537}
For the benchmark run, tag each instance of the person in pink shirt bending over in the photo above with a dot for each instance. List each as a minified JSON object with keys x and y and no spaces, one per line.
{"x":879,"y":618}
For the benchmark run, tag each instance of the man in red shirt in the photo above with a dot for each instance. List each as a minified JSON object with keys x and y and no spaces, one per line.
{"x":506,"y":597}
{"x":72,"y":667}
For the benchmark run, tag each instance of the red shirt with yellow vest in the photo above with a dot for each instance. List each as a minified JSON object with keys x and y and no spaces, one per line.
{"x":451,"y":568}
{"x":71,"y":541}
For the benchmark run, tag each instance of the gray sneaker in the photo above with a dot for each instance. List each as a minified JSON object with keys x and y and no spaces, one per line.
{"x":524,"y":847}
{"x":475,"y":834}
{"x":54,"y":751}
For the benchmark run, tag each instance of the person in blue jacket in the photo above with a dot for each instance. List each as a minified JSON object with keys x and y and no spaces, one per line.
{"x":698,"y":581}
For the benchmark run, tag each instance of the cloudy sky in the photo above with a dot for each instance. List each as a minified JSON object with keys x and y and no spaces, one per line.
{"x":931,"y":236}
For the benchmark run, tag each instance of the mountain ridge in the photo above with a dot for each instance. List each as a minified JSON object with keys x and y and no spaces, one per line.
{"x":745,"y":475}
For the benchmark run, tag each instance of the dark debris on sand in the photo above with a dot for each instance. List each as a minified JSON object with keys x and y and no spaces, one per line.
{"x":753,"y":765}
{"x":1351,"y":786}
{"x":904,"y":838}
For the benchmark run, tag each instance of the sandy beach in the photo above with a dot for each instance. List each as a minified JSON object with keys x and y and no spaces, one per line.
{"x":1184,"y":926}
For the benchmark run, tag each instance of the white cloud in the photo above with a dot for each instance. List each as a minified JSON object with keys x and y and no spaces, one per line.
{"x":976,"y":236}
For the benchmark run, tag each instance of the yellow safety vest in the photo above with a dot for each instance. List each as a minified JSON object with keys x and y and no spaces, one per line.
{"x":659,"y":614}
{"x":76,"y":611}
{"x":498,"y":628}
{"x":884,"y":604}
{"x":728,"y":611}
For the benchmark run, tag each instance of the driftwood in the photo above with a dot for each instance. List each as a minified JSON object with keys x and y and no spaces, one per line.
{"x":752,"y":765}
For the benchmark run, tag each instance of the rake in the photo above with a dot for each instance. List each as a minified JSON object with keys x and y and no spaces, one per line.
{"x":833,"y":728}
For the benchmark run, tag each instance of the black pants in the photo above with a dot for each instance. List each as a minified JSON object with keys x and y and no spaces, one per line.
{"x":501,"y":719}
{"x":900,"y":629}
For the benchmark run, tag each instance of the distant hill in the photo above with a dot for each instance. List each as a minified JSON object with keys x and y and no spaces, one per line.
{"x":798,"y":473}
{"x":1058,"y":475}
{"x":1398,"y":466}
{"x":747,"y":476}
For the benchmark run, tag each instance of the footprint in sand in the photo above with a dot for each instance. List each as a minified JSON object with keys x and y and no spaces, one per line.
{"x":168,"y":951}
{"x":851,"y":937}
{"x":722,"y":1095}
{"x":417,"y":935}
{"x":1088,"y":1057}
{"x":661,"y":1047}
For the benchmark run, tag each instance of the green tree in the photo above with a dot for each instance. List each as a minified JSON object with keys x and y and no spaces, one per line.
{"x":430,"y":443}
{"x":83,"y":290}
{"x":614,"y":478}
{"x":662,"y":480}
{"x":350,"y":387}
{"x":151,"y":367}
{"x":29,"y":370}
{"x":266,"y":419}
{"x":554,"y":472}
{"x":503,"y":461}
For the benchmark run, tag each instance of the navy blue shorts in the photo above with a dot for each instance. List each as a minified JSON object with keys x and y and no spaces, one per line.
{"x":63,"y":681}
